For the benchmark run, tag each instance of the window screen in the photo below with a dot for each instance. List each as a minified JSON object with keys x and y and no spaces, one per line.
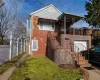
{"x":34,"y":45}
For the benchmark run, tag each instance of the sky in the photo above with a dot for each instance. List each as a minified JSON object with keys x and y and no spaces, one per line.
{"x":70,"y":6}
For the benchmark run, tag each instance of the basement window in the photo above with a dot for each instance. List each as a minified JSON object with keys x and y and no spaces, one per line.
{"x":47,"y":25}
{"x":34,"y":45}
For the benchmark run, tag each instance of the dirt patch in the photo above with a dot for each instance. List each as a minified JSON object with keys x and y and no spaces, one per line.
{"x":66,"y":66}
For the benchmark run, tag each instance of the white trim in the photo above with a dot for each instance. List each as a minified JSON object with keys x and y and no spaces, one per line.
{"x":10,"y":51}
{"x":46,"y":30}
{"x":46,"y":8}
{"x":30,"y":35}
{"x":73,"y":14}
{"x":36,"y":46}
{"x":17,"y":46}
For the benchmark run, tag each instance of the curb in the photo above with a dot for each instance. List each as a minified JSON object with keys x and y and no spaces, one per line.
{"x":86,"y":74}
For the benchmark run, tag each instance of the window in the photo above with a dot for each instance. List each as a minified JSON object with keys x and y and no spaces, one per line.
{"x":34,"y":45}
{"x":47,"y":25}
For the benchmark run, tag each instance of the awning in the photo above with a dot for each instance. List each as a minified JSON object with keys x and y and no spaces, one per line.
{"x":70,"y":17}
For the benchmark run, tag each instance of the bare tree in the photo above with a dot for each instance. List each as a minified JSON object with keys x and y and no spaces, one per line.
{"x":8,"y":19}
{"x":1,"y":3}
{"x":20,"y":29}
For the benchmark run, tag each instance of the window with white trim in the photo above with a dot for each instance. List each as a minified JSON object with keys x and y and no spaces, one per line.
{"x":34,"y":45}
{"x":47,"y":25}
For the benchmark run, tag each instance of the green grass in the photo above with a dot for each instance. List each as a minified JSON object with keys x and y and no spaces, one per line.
{"x":8,"y":64}
{"x":41,"y":68}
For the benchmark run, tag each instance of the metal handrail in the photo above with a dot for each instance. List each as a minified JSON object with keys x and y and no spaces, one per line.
{"x":78,"y":52}
{"x":87,"y":49}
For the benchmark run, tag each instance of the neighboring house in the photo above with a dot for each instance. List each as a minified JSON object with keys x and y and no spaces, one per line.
{"x":48,"y":23}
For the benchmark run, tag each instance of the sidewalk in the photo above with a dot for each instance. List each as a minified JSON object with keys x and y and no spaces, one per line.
{"x":8,"y":73}
{"x":94,"y":74}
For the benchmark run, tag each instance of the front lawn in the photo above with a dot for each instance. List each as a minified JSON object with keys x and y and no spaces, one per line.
{"x":41,"y":68}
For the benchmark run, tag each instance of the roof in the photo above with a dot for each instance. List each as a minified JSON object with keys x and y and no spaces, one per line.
{"x":52,"y":13}
{"x":48,"y":12}
{"x":69,"y":17}
{"x":73,"y":14}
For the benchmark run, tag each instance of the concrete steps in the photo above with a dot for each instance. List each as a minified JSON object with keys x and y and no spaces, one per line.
{"x":79,"y":58}
{"x":81,"y":61}
{"x":85,"y":65}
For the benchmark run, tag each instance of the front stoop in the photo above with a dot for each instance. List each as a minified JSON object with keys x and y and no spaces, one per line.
{"x":81,"y":61}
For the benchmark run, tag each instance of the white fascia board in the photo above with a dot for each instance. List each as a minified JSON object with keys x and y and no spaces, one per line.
{"x":45,"y":8}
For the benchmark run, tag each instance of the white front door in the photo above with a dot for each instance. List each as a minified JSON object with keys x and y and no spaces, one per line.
{"x":81,"y":45}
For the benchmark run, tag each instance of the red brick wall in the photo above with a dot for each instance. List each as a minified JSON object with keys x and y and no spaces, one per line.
{"x":39,"y":35}
{"x":73,"y":38}
{"x":66,"y":44}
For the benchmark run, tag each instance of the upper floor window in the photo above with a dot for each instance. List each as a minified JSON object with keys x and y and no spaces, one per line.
{"x":47,"y":25}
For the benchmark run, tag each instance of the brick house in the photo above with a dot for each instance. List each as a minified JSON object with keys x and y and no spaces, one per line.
{"x":51,"y":30}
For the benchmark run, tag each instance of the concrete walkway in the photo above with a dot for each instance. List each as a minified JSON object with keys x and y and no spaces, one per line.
{"x":8,"y":73}
{"x":94,"y":74}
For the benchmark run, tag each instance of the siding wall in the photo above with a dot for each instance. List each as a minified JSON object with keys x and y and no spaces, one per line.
{"x":48,"y":13}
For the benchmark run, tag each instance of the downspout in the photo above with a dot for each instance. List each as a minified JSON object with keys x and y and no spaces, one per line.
{"x":31,"y":31}
{"x":28,"y":43}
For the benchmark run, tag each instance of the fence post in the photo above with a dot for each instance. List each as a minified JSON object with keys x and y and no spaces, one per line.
{"x":24,"y":45}
{"x":10,"y":51}
{"x":21,"y":46}
{"x":29,"y":49}
{"x":17,"y":46}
